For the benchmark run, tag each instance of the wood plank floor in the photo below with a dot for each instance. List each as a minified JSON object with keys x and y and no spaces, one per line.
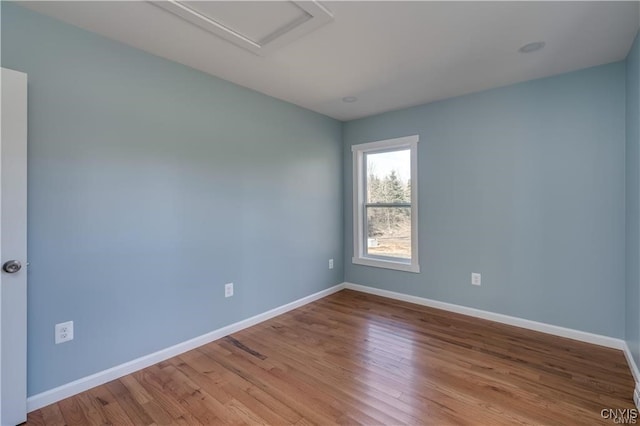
{"x":353,"y":358}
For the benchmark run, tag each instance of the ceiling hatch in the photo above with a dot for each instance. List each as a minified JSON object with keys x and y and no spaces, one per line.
{"x":257,"y":26}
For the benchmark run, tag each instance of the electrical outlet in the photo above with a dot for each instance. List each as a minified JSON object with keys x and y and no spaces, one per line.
{"x":330,"y":263}
{"x":228,"y":290}
{"x":476,"y":279}
{"x":64,"y":332}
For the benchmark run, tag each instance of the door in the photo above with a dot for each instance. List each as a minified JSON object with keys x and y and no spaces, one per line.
{"x":13,"y":248}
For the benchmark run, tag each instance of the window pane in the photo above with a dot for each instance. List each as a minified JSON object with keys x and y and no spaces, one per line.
{"x":389,"y":177}
{"x":389,"y":231}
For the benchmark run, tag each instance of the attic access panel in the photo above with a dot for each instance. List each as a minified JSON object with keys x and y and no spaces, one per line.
{"x":257,"y":26}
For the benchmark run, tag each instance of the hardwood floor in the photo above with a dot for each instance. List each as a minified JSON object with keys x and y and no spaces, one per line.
{"x":353,"y":358}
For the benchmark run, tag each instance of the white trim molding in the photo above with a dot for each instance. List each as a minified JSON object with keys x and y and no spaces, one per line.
{"x":360,"y":255}
{"x":54,"y":395}
{"x":583,"y":336}
{"x":313,"y":16}
{"x":73,"y":388}
{"x":635,"y":372}
{"x":632,"y":363}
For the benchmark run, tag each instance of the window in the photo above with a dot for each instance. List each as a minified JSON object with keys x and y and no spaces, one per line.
{"x":385,"y":204}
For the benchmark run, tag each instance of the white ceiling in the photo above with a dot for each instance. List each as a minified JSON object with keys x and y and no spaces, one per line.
{"x":390,"y":55}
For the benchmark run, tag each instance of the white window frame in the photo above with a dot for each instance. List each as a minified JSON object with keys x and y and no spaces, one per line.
{"x":359,"y":198}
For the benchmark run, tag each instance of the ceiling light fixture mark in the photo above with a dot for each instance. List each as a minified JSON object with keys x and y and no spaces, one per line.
{"x":532,"y":47}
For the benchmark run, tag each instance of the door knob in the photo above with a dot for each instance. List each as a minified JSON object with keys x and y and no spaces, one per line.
{"x":11,"y":267}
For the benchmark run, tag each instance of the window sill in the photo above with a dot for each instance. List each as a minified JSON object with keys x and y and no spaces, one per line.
{"x":387,"y":264}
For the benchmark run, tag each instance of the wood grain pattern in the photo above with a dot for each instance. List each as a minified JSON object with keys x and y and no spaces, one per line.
{"x":353,"y":358}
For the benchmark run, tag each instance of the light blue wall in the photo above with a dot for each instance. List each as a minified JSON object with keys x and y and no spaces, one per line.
{"x":150,"y":186}
{"x":633,"y":201}
{"x":524,"y":184}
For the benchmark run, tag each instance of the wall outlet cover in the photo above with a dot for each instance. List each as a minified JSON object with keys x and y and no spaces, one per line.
{"x":64,"y":332}
{"x":228,"y":290}
{"x":476,"y":279}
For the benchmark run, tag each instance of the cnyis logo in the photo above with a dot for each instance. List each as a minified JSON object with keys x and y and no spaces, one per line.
{"x":620,"y":415}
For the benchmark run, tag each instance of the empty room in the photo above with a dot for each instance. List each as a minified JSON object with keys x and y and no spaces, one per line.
{"x":302,"y":212}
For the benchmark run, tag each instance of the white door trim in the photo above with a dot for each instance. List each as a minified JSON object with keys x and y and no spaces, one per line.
{"x":13,"y":246}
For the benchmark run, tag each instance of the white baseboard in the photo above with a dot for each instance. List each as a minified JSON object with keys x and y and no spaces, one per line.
{"x":632,"y":363}
{"x":582,"y":336}
{"x":56,"y":394}
{"x":61,"y":392}
{"x":635,"y":372}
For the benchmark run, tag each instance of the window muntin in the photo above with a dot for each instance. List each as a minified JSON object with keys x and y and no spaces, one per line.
{"x":388,"y":204}
{"x":385,"y":205}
